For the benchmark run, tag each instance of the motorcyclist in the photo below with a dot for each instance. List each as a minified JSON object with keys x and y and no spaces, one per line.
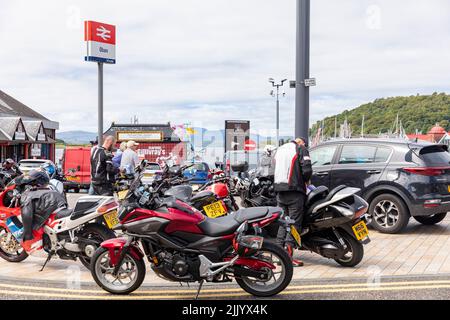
{"x":266,"y":162}
{"x":293,"y":173}
{"x":10,"y":167}
{"x":37,"y":202}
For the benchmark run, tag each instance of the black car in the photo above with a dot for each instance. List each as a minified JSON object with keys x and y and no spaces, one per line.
{"x":398,"y":178}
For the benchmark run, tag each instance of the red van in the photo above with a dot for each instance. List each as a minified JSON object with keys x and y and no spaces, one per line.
{"x":77,"y":168}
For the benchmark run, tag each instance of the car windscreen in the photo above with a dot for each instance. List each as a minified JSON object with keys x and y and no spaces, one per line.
{"x":31,"y":164}
{"x":435,"y":155}
{"x":153,"y":166}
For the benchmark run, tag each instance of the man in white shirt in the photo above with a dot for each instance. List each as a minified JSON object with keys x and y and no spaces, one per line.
{"x":130,"y":158}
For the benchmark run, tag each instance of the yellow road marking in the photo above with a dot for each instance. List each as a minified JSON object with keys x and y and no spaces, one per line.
{"x":288,"y":291}
{"x":224,"y":290}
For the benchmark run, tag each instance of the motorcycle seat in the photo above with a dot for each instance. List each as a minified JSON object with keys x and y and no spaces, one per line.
{"x":220,"y":226}
{"x":325,"y":199}
{"x":63,"y":213}
{"x":201,"y":195}
{"x":317,"y":194}
{"x":253,"y":213}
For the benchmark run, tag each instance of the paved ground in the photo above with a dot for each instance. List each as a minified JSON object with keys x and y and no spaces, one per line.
{"x":418,"y":253}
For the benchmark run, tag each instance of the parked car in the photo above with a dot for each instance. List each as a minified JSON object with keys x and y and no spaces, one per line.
{"x":399,"y":179}
{"x":151,"y":171}
{"x":77,"y":168}
{"x":27,"y":165}
{"x":199,"y":173}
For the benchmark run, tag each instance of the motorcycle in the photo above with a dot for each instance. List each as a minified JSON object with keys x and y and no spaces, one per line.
{"x":67,"y":233}
{"x":334,"y":225}
{"x":183,"y":245}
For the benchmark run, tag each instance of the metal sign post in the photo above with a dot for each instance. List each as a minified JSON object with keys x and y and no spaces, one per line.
{"x":100,"y":103}
{"x":101,"y":48}
{"x":303,"y":80}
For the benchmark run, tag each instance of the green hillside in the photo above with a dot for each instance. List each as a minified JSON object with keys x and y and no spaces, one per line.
{"x":416,"y":112}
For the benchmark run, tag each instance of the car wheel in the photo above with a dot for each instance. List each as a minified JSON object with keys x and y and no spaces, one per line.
{"x":389,"y":213}
{"x":430,"y":220}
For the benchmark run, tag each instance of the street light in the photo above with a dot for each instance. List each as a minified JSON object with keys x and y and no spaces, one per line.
{"x":277,"y":95}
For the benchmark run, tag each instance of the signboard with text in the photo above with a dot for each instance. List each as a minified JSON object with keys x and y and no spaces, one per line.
{"x":139,"y":136}
{"x":237,"y":132}
{"x":100,"y":41}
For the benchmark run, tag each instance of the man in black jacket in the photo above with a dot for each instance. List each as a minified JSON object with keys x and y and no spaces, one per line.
{"x":103,"y":171}
{"x":293,"y":173}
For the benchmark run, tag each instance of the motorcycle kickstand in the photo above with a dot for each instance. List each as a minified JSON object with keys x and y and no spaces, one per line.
{"x":199,"y":288}
{"x":50,"y":255}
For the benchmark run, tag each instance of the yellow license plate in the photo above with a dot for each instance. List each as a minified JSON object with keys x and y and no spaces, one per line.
{"x":215,"y":209}
{"x":112,"y":219}
{"x":296,"y":235}
{"x":148,"y":175}
{"x":360,"y":230}
{"x":448,"y":188}
{"x":70,"y":178}
{"x":122,"y":194}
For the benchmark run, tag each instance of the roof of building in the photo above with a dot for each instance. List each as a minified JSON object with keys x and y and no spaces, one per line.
{"x":437,"y":129}
{"x":10,"y":107}
{"x":166,"y":129}
{"x":32,"y":128}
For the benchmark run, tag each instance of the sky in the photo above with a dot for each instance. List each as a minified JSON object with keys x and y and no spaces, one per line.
{"x":206,"y":61}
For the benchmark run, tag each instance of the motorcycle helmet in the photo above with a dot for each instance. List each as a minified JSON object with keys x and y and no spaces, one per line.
{"x":269,"y":149}
{"x":37,"y":178}
{"x":49,"y":168}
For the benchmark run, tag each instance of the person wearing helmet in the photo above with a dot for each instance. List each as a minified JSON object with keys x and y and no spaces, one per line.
{"x":10,"y":167}
{"x":293,"y":173}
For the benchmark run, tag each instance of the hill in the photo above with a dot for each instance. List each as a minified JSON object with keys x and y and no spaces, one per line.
{"x":420,"y":112}
{"x":76,"y":137}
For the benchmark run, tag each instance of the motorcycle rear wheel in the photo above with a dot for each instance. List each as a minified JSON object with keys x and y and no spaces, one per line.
{"x":354,"y":254}
{"x":131,"y":268}
{"x":276,"y":255}
{"x":11,"y":251}
{"x":98,"y":233}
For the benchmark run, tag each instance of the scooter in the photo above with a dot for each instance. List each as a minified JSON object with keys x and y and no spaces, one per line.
{"x":334,"y":225}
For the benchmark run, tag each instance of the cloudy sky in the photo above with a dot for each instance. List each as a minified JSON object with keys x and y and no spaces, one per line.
{"x":204,"y":61}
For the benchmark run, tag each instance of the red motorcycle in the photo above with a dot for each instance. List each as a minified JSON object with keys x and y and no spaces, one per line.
{"x":183,"y":245}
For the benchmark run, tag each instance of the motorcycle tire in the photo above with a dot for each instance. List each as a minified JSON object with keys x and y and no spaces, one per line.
{"x":101,"y":233}
{"x":95,"y":269}
{"x":284,"y":261}
{"x":355,"y":247}
{"x":12,"y":257}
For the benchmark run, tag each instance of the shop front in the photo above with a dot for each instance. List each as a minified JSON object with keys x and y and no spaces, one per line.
{"x":157,"y":142}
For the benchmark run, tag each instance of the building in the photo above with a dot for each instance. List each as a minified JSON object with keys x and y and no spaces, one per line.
{"x":435,"y":135}
{"x":156,"y":141}
{"x":25,"y":133}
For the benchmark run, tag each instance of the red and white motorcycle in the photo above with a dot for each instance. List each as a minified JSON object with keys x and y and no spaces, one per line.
{"x":67,"y":233}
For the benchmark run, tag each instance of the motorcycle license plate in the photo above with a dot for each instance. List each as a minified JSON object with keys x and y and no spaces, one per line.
{"x":122,"y":194}
{"x":112,"y":219}
{"x":448,"y":188}
{"x":360,"y":230}
{"x":296,"y":235}
{"x":215,"y":209}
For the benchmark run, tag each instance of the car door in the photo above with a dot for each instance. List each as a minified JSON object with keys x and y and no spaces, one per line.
{"x":359,"y":165}
{"x":322,"y":159}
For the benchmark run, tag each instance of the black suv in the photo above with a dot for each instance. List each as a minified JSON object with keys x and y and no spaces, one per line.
{"x":397,"y":178}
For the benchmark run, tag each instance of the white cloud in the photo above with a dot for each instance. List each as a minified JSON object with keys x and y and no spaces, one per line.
{"x":206,"y":61}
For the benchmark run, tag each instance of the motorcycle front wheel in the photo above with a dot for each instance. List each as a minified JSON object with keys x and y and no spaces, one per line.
{"x":130,"y":276}
{"x":279,"y":278}
{"x":10,"y":249}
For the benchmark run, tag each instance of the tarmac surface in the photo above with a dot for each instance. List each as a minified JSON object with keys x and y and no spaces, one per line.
{"x":411,"y":265}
